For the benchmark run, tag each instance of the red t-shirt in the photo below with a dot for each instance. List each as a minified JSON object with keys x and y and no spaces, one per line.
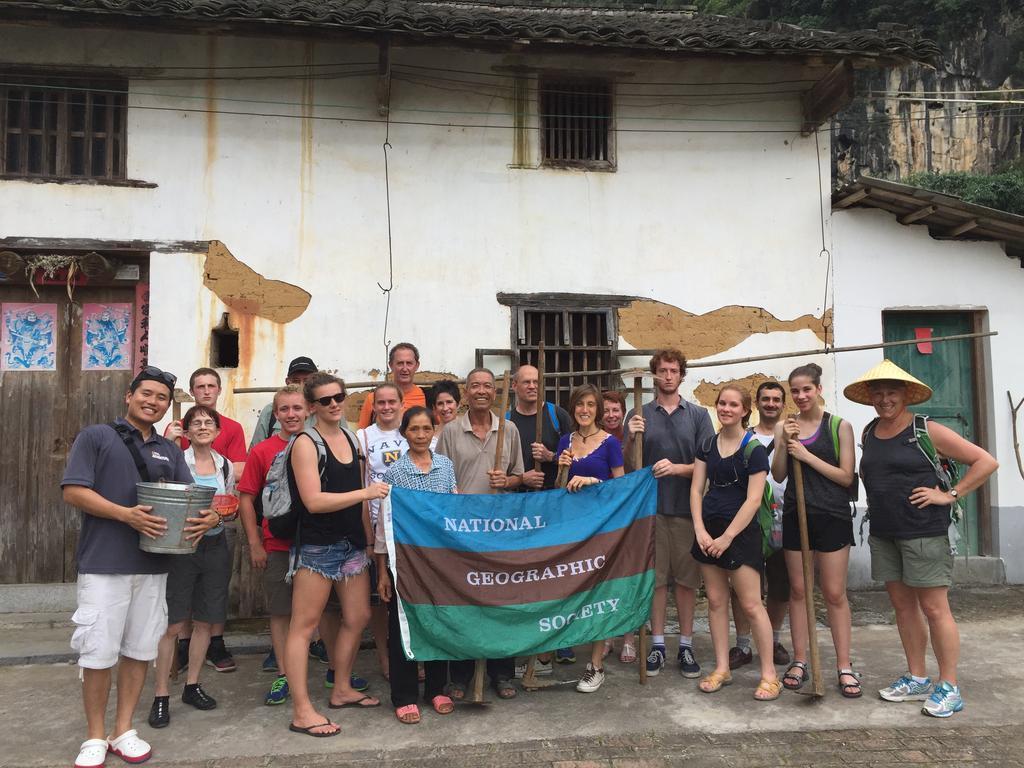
{"x":255,"y":477}
{"x":230,"y":443}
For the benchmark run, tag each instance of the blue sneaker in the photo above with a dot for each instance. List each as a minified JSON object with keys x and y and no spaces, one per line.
{"x":278,"y":692}
{"x":357,"y":683}
{"x":318,"y":651}
{"x":565,"y":656}
{"x":688,"y":666}
{"x":944,"y":701}
{"x":655,"y":660}
{"x":270,"y":662}
{"x":907,"y":689}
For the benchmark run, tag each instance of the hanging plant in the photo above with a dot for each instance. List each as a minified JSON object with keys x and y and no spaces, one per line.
{"x":49,"y":265}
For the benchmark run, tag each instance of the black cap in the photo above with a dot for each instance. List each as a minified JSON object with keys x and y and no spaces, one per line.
{"x":152,"y":373}
{"x":302,"y":365}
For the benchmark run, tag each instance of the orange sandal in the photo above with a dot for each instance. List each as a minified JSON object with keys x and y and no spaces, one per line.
{"x":715,"y":681}
{"x":409,"y":714}
{"x":769,"y":690}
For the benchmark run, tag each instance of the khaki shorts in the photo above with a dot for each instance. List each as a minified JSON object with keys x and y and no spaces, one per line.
{"x":673,"y":562}
{"x":919,"y":563}
{"x":278,"y":593}
{"x":119,"y":615}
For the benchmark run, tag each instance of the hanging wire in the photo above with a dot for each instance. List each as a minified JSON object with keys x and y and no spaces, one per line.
{"x":391,"y":261}
{"x":829,"y":281}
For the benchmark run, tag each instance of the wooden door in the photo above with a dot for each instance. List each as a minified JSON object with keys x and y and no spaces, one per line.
{"x":947,"y":367}
{"x":42,"y":411}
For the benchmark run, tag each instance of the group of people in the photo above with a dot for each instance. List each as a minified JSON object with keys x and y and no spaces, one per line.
{"x":329,"y":574}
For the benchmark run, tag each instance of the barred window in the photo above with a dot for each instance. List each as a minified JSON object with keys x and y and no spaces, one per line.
{"x":57,"y":129}
{"x":576,"y":123}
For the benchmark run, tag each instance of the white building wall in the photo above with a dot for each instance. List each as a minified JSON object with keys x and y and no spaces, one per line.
{"x":723,"y":210}
{"x":881,"y":265}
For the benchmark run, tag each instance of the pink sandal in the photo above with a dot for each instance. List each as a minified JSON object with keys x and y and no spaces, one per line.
{"x":442,"y":705}
{"x":409,"y":714}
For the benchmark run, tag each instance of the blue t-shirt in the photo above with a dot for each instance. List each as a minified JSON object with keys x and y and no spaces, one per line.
{"x":727,"y":478}
{"x":598,"y":463}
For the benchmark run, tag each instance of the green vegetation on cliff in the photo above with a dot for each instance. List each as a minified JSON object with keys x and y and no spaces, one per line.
{"x":1002,"y":191}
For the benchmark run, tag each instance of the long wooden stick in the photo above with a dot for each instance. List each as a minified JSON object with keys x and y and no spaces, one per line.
{"x":538,"y":434}
{"x":500,"y":447}
{"x":638,"y":464}
{"x":817,"y":686}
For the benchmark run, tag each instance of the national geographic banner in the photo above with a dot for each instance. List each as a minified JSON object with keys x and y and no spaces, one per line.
{"x":521,"y":573}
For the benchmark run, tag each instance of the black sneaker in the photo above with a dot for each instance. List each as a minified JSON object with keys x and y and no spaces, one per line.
{"x":688,"y":666}
{"x":181,"y":658}
{"x":318,"y":651}
{"x":160,"y":712}
{"x":219,"y":657}
{"x":196,"y":696}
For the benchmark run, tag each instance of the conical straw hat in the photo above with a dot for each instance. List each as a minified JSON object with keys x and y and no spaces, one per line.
{"x":860,"y":390}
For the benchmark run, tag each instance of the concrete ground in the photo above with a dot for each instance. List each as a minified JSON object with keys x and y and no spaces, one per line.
{"x":667,"y":722}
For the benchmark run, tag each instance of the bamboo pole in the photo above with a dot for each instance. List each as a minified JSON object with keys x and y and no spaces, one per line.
{"x":638,"y":464}
{"x":817,"y":686}
{"x":689,"y":365}
{"x":538,"y":434}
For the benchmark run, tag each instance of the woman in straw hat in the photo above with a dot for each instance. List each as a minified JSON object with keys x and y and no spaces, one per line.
{"x":910,"y":504}
{"x":823,"y":444}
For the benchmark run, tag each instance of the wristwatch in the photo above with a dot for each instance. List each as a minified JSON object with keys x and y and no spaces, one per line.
{"x":954,"y":493}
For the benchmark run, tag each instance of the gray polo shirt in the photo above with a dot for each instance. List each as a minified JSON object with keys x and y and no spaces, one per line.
{"x":100,"y":460}
{"x":673,"y":436}
{"x":474,"y":458}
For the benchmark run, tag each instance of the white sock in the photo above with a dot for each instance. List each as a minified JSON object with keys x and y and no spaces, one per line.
{"x":919,"y":680}
{"x":685,"y":641}
{"x":743,"y":642}
{"x":658,"y":640}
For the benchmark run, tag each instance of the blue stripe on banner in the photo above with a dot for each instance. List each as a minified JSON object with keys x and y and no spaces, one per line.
{"x":484,"y":523}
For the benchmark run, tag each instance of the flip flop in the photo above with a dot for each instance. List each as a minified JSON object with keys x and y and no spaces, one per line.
{"x":358,"y":703}
{"x":308,"y":731}
{"x":408,"y":715}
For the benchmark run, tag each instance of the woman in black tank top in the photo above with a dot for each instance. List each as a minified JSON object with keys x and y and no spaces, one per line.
{"x":333,"y":535}
{"x":827,"y":477}
{"x":909,"y":508}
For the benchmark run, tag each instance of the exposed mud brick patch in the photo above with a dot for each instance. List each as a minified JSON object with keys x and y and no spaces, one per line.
{"x":246,"y":291}
{"x":647,"y":324}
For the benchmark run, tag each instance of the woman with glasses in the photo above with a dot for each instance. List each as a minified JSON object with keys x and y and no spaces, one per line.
{"x":728,"y":538}
{"x":331,"y":552}
{"x":591,"y":455}
{"x":197,"y":583}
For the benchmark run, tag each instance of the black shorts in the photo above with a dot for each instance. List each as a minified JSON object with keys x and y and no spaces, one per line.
{"x":744,"y":550}
{"x":825,"y":533}
{"x":776,"y":577}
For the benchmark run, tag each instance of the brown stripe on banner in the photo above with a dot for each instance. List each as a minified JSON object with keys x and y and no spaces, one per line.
{"x":433,"y":576}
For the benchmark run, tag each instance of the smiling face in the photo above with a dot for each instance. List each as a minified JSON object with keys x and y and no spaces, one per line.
{"x":387,"y":406}
{"x":613,"y":414}
{"x":290,"y":411}
{"x":804,"y":392}
{"x":730,"y":408}
{"x":202,"y":430}
{"x":148,"y":403}
{"x":889,"y":399}
{"x":403,"y":367}
{"x":445,"y":408}
{"x":333,"y":412}
{"x":770,"y":404}
{"x":585,"y":412}
{"x":419,"y":432}
{"x":480,"y":391}
{"x":206,"y":390}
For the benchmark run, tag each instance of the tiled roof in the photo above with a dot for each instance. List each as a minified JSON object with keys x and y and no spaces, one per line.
{"x":618,"y":27}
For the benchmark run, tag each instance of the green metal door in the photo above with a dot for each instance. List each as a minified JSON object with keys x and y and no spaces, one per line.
{"x":946,"y":368}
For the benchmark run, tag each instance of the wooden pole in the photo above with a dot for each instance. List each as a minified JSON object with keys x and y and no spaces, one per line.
{"x":541,"y":404}
{"x":638,"y":464}
{"x":817,"y":687}
{"x":176,"y":410}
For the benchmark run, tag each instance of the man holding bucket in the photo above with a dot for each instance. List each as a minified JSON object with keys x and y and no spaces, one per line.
{"x":121,"y":588}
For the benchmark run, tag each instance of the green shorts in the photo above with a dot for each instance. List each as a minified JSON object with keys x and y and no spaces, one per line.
{"x":923,"y":562}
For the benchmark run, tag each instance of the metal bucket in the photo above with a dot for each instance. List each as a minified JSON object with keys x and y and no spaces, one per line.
{"x":174,"y":502}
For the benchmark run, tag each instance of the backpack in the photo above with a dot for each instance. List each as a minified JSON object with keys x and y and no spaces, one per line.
{"x":552,"y":414}
{"x":854,"y":489}
{"x":276,"y":499}
{"x":769,"y":514}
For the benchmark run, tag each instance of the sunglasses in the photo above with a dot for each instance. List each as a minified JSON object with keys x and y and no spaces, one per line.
{"x":153,"y":373}
{"x":326,"y":399}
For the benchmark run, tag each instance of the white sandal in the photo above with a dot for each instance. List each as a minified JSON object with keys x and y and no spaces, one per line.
{"x":92,"y":754}
{"x":130,"y":748}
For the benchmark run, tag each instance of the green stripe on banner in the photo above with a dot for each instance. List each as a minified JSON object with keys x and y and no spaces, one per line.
{"x":439,"y":632}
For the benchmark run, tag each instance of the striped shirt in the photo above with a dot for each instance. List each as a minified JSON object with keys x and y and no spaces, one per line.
{"x":440,"y":478}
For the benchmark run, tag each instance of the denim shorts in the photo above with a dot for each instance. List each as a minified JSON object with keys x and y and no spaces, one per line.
{"x":336,"y":562}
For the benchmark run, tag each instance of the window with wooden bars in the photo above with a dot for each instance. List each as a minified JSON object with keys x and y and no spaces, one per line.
{"x":576,"y":123}
{"x":577,"y":341}
{"x":57,"y":129}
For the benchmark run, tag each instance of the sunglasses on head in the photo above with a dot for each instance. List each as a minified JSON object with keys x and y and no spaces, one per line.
{"x":153,"y":373}
{"x":326,"y":399}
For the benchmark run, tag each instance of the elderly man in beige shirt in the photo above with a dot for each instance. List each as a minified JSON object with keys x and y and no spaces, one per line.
{"x":469,"y":441}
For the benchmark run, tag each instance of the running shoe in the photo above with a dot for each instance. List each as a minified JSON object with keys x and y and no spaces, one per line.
{"x":944,"y":701}
{"x":278,"y":692}
{"x":219,"y":657}
{"x":270,"y":662}
{"x":907,"y":689}
{"x":358,"y":683}
{"x":540,"y":669}
{"x":688,"y":666}
{"x":318,"y":651}
{"x":655,"y":660}
{"x":565,"y":656}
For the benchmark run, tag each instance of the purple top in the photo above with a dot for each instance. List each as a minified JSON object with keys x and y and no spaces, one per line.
{"x":599,"y":462}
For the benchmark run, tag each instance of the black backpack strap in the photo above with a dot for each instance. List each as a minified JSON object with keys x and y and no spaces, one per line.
{"x":126,"y":437}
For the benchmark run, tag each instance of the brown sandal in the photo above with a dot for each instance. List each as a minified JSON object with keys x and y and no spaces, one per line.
{"x":715,"y":681}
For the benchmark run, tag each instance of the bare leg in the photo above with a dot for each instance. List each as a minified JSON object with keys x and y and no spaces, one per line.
{"x":658,"y":607}
{"x":686,"y":602}
{"x":776,"y":613}
{"x":747,"y":583}
{"x":832,"y":569}
{"x":165,"y":659}
{"x":197,"y":650}
{"x":910,"y":622}
{"x":309,"y":596}
{"x":131,"y":676}
{"x":95,"y":694}
{"x":739,"y":618}
{"x":278,"y":638}
{"x":797,"y":609}
{"x":716,"y":584}
{"x":354,"y":595}
{"x":328,"y":628}
{"x":945,"y":635}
